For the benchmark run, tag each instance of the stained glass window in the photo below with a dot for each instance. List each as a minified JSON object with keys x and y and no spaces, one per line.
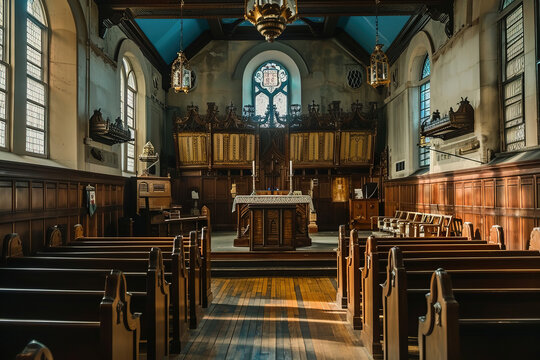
{"x":37,"y":88}
{"x":3,"y":78}
{"x":513,"y":79}
{"x":128,"y":99}
{"x":425,"y":108}
{"x":271,"y":93}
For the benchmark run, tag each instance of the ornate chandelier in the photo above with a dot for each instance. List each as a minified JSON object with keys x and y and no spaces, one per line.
{"x":181,"y":76}
{"x":378,"y":70}
{"x":270,"y":17}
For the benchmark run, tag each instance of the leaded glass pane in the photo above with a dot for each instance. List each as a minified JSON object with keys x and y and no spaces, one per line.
{"x":33,"y":35}
{"x":2,"y":134}
{"x":130,"y":164}
{"x":261,"y":104}
{"x":35,"y":8}
{"x":36,"y":91}
{"x":3,"y":108}
{"x":425,"y":111}
{"x":280,"y":101}
{"x":35,"y":141}
{"x":35,"y":116}
{"x":426,"y":69}
{"x":127,"y":66}
{"x":271,"y":85}
{"x":3,"y":77}
{"x":507,"y":2}
{"x":513,"y":68}
{"x":131,"y":81}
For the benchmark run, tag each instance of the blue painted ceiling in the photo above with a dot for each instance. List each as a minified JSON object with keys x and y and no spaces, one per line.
{"x":165,"y":33}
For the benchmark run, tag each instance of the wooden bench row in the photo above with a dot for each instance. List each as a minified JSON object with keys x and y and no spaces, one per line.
{"x":181,"y":267}
{"x":388,"y":318}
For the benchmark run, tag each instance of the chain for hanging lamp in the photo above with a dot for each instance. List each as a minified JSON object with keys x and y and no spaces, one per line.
{"x":378,"y":70}
{"x":181,"y":75}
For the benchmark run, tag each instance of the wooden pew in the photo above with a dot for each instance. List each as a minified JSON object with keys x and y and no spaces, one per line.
{"x":205,"y":244}
{"x":479,"y":324}
{"x":424,"y":257}
{"x":173,"y":268}
{"x":355,"y":261}
{"x":198,"y":275}
{"x":152,"y":300}
{"x":404,"y":294}
{"x":113,"y":334}
{"x":35,"y":351}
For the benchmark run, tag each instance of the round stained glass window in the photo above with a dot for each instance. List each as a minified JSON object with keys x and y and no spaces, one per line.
{"x":355,"y":78}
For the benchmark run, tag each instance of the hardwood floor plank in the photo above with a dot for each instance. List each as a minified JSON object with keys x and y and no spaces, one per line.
{"x":271,"y":318}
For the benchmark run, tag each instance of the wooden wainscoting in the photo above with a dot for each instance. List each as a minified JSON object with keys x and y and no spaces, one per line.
{"x":506,"y":195}
{"x":33,"y":198}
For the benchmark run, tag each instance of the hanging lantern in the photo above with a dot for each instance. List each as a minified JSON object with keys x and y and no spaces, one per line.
{"x":378,"y":70}
{"x":270,"y":17}
{"x":181,"y":75}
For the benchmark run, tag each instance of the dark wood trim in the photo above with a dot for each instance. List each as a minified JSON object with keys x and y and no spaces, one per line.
{"x":330,"y":24}
{"x":401,"y":42}
{"x":216,"y":28}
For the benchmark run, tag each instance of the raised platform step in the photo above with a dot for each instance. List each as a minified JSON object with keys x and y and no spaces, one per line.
{"x":273,"y":264}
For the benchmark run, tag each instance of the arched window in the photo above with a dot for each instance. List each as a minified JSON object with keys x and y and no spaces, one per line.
{"x":37,"y":89}
{"x":128,"y":97}
{"x":271,"y":90}
{"x":513,"y":69}
{"x":425,"y":107}
{"x":3,"y":75}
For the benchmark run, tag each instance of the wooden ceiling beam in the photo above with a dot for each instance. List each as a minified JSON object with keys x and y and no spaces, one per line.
{"x":235,"y":8}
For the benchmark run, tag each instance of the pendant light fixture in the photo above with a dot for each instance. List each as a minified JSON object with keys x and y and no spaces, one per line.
{"x":270,"y":17}
{"x":378,"y":70}
{"x":181,"y":76}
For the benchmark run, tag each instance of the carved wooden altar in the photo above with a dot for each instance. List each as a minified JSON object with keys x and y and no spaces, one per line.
{"x":272,"y":222}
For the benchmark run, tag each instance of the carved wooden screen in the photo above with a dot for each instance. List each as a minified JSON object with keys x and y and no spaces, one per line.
{"x":312,"y":148}
{"x":356,"y":148}
{"x":192,"y":148}
{"x":233,"y":149}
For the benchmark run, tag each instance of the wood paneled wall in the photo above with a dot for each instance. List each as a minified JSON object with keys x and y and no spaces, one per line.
{"x":506,"y":195}
{"x":215,"y":192}
{"x":33,"y":198}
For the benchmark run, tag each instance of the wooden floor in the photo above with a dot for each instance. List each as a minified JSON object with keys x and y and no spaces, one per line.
{"x":274,"y":318}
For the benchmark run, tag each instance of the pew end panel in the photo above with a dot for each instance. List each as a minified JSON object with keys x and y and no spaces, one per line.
{"x":438,"y":335}
{"x":534,"y":241}
{"x":342,"y":251}
{"x":371,"y":289}
{"x":120,"y":328}
{"x":11,"y":247}
{"x":395,"y":307}
{"x":35,"y":351}
{"x":496,"y":236}
{"x":354,"y":308}
{"x":179,"y":296}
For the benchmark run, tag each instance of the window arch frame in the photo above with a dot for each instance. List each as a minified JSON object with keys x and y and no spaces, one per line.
{"x":44,"y":28}
{"x":129,"y":149}
{"x":283,"y":88}
{"x":424,"y":108}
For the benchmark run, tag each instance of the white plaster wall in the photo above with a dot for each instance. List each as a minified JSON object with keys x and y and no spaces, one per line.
{"x":464,"y":66}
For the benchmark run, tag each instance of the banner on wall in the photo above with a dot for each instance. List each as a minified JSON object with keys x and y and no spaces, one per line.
{"x":91,"y":199}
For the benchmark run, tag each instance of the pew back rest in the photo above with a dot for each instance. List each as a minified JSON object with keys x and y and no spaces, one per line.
{"x":35,"y":351}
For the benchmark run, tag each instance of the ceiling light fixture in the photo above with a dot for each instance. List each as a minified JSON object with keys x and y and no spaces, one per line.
{"x":270,"y":17}
{"x":181,"y":76}
{"x":378,"y":71}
